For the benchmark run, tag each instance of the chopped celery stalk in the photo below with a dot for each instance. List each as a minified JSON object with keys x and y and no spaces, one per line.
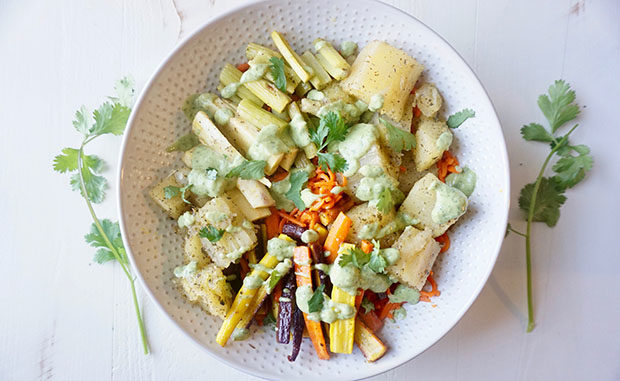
{"x":331,"y":60}
{"x":254,"y":49}
{"x":269,"y":93}
{"x":321,"y":78}
{"x":231,"y":74}
{"x":303,"y":71}
{"x":258,"y":116}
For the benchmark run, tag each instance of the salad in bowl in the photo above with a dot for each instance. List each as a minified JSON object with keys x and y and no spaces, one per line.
{"x":316,"y":194}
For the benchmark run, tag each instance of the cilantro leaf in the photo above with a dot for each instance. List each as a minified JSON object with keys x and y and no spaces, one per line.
{"x":95,"y":185}
{"x":558,"y":106}
{"x":110,"y":119}
{"x":354,"y":256}
{"x":249,"y":170}
{"x":315,"y":303}
{"x":318,"y":134}
{"x":95,"y":239}
{"x":536,"y":132}
{"x":377,"y":262}
{"x":82,"y":121}
{"x":124,"y":92}
{"x":184,"y":143}
{"x":336,"y":127}
{"x":334,"y":161}
{"x":103,"y":255}
{"x":297,"y":179}
{"x":458,"y":118}
{"x":211,"y":233}
{"x":170,"y":191}
{"x":367,"y":305}
{"x":277,"y":70}
{"x":548,"y":201}
{"x":385,"y":201}
{"x":398,"y":139}
{"x":572,"y":169}
{"x":67,"y":161}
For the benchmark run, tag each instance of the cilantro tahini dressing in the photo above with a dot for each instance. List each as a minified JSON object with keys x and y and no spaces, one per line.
{"x":330,"y":311}
{"x":450,"y":203}
{"x":465,"y":181}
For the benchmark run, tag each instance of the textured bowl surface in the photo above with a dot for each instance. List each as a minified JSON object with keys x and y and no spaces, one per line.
{"x":156,"y":248}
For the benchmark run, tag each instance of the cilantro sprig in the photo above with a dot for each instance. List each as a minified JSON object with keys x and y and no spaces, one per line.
{"x":331,"y":129}
{"x":110,"y":118}
{"x":277,"y":70}
{"x":171,"y":191}
{"x":355,"y":256}
{"x":541,"y":200}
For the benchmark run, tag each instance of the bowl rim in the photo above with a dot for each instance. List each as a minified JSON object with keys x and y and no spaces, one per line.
{"x":120,"y":171}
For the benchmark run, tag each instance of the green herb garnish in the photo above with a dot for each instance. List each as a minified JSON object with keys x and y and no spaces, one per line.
{"x":355,"y":257}
{"x":331,"y":128}
{"x":315,"y":303}
{"x":542,"y":199}
{"x":297,"y":179}
{"x":211,"y":233}
{"x":110,"y":118}
{"x":277,"y":70}
{"x":249,"y":170}
{"x":458,"y":118}
{"x":398,"y":139}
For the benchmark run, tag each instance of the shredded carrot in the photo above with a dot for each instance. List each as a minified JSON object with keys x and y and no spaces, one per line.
{"x":446,"y":165}
{"x":425,"y":296}
{"x":265,"y":107}
{"x":444,"y":240}
{"x":290,"y":218}
{"x":402,"y":169}
{"x":386,"y":311}
{"x":243,"y":66}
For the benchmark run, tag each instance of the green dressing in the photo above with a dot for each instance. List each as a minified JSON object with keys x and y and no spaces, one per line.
{"x":186,"y":219}
{"x":254,"y":73}
{"x":465,"y":181}
{"x":309,"y":236}
{"x":374,"y":183}
{"x":186,"y":271}
{"x":348,"y":48}
{"x":280,"y":248}
{"x":376,"y":102}
{"x":403,"y":293}
{"x":443,"y":141}
{"x":330,"y":311}
{"x":356,"y":144}
{"x":450,"y":204}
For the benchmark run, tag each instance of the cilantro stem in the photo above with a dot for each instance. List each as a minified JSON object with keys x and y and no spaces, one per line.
{"x":121,"y":259}
{"x":528,"y":233}
{"x":516,"y":231}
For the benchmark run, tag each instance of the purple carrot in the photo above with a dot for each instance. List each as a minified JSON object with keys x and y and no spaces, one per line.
{"x":298,"y":332}
{"x":293,"y":231}
{"x":285,"y":311}
{"x":316,"y":249}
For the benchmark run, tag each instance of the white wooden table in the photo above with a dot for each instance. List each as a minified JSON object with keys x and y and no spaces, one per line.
{"x":64,"y":317}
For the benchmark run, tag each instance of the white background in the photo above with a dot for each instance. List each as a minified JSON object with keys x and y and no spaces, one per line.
{"x":64,"y":317}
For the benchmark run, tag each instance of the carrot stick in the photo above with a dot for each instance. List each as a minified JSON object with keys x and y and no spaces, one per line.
{"x":337,"y":234}
{"x":367,"y":247}
{"x":358,"y":299}
{"x":272,"y":223}
{"x":301,"y":255}
{"x":371,"y":319}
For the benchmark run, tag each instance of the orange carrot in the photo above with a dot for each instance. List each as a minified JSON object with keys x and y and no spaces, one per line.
{"x":416,"y":112}
{"x":358,"y":299}
{"x":337,"y":234}
{"x":301,"y":254}
{"x":272,"y":223}
{"x":367,"y":247}
{"x":371,"y":319}
{"x":386,"y":311}
{"x":425,"y":296}
{"x":243,"y":66}
{"x":444,"y":240}
{"x":446,"y":164}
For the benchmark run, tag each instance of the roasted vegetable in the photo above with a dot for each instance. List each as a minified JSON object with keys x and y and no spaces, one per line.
{"x":286,"y":308}
{"x":298,"y":332}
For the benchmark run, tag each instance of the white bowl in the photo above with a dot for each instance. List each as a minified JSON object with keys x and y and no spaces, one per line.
{"x":155,"y":247}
